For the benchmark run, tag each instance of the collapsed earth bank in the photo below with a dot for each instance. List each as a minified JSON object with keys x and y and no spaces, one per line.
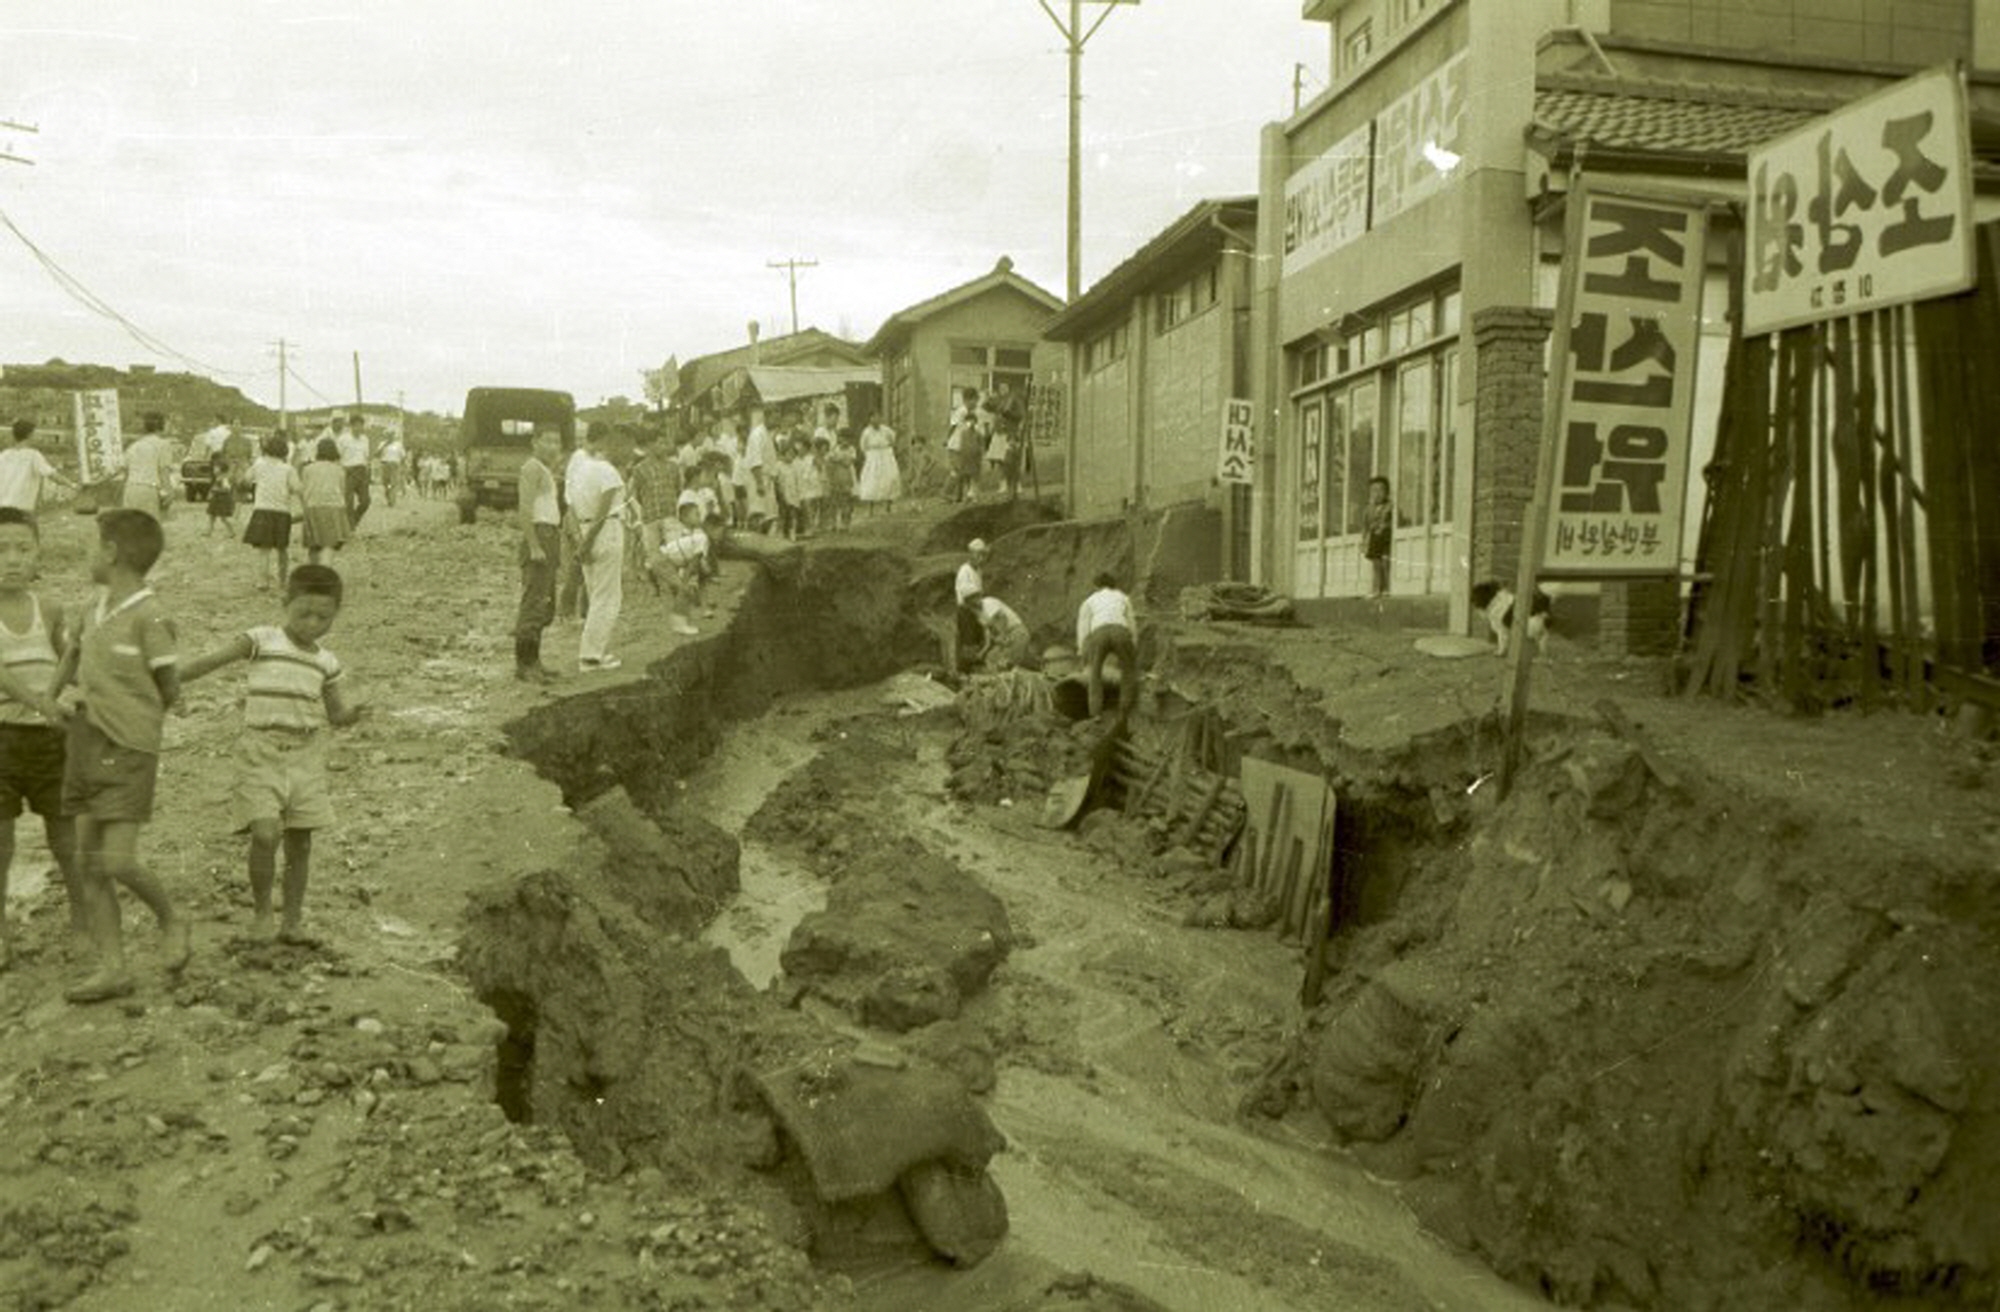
{"x":1634,"y":1035}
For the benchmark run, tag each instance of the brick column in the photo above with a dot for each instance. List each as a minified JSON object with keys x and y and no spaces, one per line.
{"x":1640,"y":618}
{"x":1506,"y":432}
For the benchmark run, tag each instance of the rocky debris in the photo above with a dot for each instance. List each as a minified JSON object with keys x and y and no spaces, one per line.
{"x":961,"y":1214}
{"x":1018,"y":758}
{"x":905,"y":937}
{"x":619,"y":1033}
{"x":56,"y":1245}
{"x":674,"y":869}
{"x":880,"y":1145}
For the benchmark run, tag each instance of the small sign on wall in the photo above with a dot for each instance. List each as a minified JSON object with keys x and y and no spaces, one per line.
{"x":1239,"y":443}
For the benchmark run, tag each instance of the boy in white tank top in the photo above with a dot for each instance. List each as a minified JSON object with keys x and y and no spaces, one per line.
{"x":31,"y":723}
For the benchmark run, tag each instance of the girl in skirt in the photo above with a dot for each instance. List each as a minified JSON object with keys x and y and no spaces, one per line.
{"x":323,"y":488}
{"x":274,"y":488}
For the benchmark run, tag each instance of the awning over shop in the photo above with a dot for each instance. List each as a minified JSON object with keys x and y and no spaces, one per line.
{"x":775,"y":384}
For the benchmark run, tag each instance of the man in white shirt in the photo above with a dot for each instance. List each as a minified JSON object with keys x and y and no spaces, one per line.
{"x":354,"y":455}
{"x":24,"y":470}
{"x":597,"y":499}
{"x":1104,"y":629}
{"x":1006,"y":634}
{"x":214,"y":441}
{"x":541,"y":550}
{"x":965,"y":590}
{"x":149,"y":469}
{"x":392,"y":458}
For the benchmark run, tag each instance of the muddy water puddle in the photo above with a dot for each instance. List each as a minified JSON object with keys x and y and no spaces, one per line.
{"x":1124,"y":1043}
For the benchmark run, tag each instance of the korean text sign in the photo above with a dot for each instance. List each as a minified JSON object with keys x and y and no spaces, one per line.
{"x":1867,"y":207}
{"x":1239,"y":449}
{"x":1626,"y":391}
{"x":100,"y":438}
{"x":1326,"y":202}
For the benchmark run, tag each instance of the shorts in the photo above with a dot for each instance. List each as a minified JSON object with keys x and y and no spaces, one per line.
{"x":281,"y":776}
{"x":106,"y":781}
{"x":31,"y":770}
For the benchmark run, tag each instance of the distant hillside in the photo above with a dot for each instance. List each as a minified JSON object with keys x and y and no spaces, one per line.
{"x":189,"y":401}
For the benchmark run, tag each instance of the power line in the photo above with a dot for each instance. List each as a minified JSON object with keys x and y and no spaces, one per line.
{"x":96,"y":304}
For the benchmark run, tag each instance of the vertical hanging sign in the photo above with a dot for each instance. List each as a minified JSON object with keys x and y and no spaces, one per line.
{"x":100,"y":438}
{"x":1624,"y":387}
{"x":1239,"y":449}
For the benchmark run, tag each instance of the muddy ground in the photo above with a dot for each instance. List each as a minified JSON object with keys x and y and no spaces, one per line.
{"x":1693,"y":1026}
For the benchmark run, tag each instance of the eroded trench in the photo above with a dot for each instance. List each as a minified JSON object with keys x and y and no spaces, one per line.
{"x":1624,"y":1043}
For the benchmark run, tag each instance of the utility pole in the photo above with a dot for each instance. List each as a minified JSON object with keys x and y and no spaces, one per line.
{"x":791,"y":268}
{"x":1077,"y":37}
{"x":284,"y":368}
{"x":357,"y":378}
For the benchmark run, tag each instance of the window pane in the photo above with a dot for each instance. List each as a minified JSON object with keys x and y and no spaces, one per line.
{"x":971,"y":356}
{"x":1420,"y":323}
{"x":1447,"y":442}
{"x":1360,"y":451}
{"x":1310,"y":419}
{"x":1415,"y":425}
{"x":1399,"y":330}
{"x":1336,"y":467}
{"x":1009,"y":357}
{"x":1448,"y":312}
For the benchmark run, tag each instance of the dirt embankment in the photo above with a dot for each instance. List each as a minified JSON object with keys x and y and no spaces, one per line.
{"x":1642,"y":1035}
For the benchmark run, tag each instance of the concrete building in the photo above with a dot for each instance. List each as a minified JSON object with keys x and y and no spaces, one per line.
{"x":1155,"y":349}
{"x":1410,"y":233}
{"x":977,"y":334}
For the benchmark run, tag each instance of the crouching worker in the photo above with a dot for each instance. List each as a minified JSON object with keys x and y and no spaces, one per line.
{"x":295,"y":695}
{"x":683,"y":556}
{"x":1005,"y":636}
{"x":1105,"y":629}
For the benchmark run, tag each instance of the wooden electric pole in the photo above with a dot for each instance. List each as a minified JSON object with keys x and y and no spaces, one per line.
{"x":791,"y":268}
{"x":1076,"y":37}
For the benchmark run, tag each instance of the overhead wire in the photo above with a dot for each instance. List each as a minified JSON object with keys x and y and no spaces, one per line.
{"x":90,"y":300}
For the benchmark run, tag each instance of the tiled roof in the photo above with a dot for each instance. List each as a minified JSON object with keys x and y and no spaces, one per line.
{"x":1679,"y":123}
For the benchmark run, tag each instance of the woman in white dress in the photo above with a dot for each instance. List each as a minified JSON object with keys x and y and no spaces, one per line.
{"x":881,"y":480}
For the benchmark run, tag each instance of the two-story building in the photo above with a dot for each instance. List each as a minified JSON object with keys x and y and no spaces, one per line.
{"x":1410,"y":235}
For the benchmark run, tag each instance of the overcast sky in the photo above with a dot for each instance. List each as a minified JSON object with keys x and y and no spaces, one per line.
{"x":564,"y":194}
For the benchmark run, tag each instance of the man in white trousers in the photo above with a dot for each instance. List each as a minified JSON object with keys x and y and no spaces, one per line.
{"x":596,"y":496}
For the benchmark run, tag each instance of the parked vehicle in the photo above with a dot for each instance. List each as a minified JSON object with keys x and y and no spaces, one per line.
{"x":498,"y":427}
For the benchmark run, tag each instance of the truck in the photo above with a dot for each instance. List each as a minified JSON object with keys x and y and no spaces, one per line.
{"x":498,"y":426}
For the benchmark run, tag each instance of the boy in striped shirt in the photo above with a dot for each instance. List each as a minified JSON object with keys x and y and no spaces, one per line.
{"x":294,"y":696}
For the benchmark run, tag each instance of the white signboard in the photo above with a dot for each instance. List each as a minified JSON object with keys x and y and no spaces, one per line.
{"x":1868,"y":207}
{"x":1326,"y":202}
{"x":1626,"y":389}
{"x":1419,"y":140}
{"x":1239,"y":446}
{"x":100,"y":438}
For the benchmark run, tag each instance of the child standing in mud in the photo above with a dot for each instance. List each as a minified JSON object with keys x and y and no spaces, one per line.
{"x":295,"y":696}
{"x":125,"y":664}
{"x":31,"y":723}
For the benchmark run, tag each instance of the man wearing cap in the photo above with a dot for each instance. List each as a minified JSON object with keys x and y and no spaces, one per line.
{"x":966,"y":589}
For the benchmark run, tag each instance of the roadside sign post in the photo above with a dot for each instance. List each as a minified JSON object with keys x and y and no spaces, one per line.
{"x":1611,"y":471}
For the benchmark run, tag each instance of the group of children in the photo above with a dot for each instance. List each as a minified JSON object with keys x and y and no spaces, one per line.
{"x":87,"y":763}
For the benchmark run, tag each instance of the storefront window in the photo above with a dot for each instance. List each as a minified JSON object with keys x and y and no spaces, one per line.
{"x":1311,"y":419}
